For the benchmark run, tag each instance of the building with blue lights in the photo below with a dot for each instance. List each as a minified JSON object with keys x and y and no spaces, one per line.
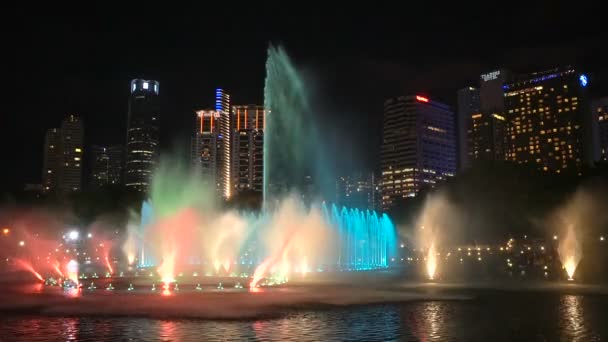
{"x":418,"y":147}
{"x":142,"y":148}
{"x":549,"y":123}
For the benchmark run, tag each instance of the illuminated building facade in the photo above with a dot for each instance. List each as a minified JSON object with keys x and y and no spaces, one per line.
{"x":72,"y":137}
{"x":142,"y":149}
{"x":357,"y":191}
{"x":53,"y":158}
{"x":205,"y":149}
{"x":486,"y":137}
{"x":418,"y":146}
{"x":99,"y":169}
{"x":106,"y":168}
{"x":222,"y":105}
{"x":63,"y":153}
{"x":600,"y":115}
{"x":468,"y":104}
{"x":548,"y":123}
{"x":248,"y":147}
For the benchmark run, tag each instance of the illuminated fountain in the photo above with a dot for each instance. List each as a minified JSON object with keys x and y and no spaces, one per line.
{"x":570,"y":252}
{"x":431,"y":261}
{"x":181,"y":226}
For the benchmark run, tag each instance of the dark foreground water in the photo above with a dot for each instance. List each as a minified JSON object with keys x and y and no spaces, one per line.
{"x":489,"y":316}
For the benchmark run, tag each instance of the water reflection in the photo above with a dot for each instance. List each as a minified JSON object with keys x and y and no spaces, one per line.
{"x":70,"y":329}
{"x":428,"y":321}
{"x":572,"y":319}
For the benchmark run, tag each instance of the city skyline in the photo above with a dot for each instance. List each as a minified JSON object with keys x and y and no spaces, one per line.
{"x":353,"y":92}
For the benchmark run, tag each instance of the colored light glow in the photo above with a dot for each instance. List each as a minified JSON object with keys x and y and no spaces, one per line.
{"x":421,"y":98}
{"x":6,"y":231}
{"x":583,"y":80}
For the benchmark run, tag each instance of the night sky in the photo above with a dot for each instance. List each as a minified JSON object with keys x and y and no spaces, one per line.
{"x":80,"y":60}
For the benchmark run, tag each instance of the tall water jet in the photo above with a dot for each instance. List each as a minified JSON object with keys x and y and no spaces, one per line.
{"x":437,"y":218}
{"x":431,"y":261}
{"x":570,"y":252}
{"x":292,"y":149}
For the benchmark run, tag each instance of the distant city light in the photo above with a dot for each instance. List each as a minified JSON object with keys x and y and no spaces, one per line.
{"x":73,"y":235}
{"x":21,"y":243}
{"x":5,"y":231}
{"x":554,"y":237}
{"x":602,"y":238}
{"x":89,"y":235}
{"x":421,"y":98}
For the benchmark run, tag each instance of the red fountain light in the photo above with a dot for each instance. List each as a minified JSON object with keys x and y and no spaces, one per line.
{"x":108,"y":265}
{"x":28,"y":267}
{"x":261,"y":270}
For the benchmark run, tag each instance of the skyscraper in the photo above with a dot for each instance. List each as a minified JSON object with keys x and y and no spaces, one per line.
{"x":248,"y":147}
{"x":205,"y":148}
{"x":142,"y":150}
{"x":99,"y":169}
{"x":548,"y":121}
{"x":418,"y":146}
{"x":486,"y":137}
{"x":53,"y":160}
{"x":356,"y":191}
{"x":222,"y":105}
{"x":116,"y":155}
{"x":72,"y":137}
{"x":106,"y":168}
{"x":600,"y":115}
{"x":468,"y":104}
{"x":63,"y":151}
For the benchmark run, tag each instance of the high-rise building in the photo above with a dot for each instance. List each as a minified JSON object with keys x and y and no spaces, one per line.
{"x":53,"y":160}
{"x":548,"y":121}
{"x":205,"y":148}
{"x":63,"y":151}
{"x":486,"y":137}
{"x":72,"y":137}
{"x":468,"y":104}
{"x":222,"y":105}
{"x":600,"y":115}
{"x":418,"y":146}
{"x":100,"y":167}
{"x":106,"y":168}
{"x":142,"y":149}
{"x":248,"y":147}
{"x":357,"y":191}
{"x":491,"y":91}
{"x":116,"y":155}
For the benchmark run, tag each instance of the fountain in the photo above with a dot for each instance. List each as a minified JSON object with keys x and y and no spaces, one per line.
{"x":181,"y":225}
{"x":570,"y":252}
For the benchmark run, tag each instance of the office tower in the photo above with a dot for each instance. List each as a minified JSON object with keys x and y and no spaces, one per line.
{"x":142,"y":149}
{"x":72,"y":139}
{"x":53,"y":160}
{"x":100,"y":167}
{"x":356,"y":191}
{"x":491,"y":91}
{"x":468,"y":104}
{"x":248,"y":148}
{"x":418,"y":146}
{"x":106,"y":168}
{"x":63,"y":151}
{"x":115,"y":164}
{"x":548,"y":121}
{"x":600,"y":115}
{"x":205,"y":148}
{"x":222,"y":105}
{"x":486,"y":137}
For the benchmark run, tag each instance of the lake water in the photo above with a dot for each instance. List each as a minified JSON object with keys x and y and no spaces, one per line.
{"x":488,"y":316}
